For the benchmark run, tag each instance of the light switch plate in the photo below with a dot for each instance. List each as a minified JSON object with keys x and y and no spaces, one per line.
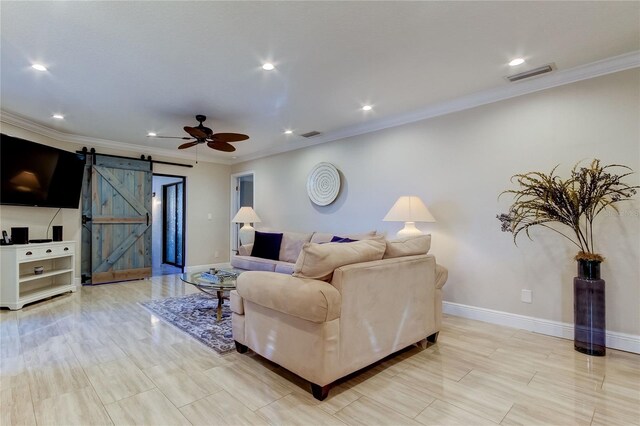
{"x":526,"y":296}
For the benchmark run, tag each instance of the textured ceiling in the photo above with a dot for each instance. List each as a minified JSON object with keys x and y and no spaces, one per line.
{"x":120,"y":69}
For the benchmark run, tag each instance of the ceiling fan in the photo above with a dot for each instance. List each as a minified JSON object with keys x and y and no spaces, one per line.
{"x":201,"y":134}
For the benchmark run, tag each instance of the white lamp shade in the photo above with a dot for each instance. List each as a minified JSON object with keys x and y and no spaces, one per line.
{"x":409,"y":209}
{"x":246,"y":215}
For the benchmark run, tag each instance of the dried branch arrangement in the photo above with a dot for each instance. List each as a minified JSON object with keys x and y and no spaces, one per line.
{"x":543,"y":199}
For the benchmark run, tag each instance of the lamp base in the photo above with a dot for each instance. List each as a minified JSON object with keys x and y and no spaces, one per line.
{"x":247,"y":234}
{"x":409,"y":230}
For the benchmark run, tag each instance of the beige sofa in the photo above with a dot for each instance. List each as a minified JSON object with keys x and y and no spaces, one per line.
{"x":346,"y":307}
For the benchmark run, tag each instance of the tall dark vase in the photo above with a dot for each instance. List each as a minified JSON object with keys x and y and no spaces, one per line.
{"x":589,"y":309}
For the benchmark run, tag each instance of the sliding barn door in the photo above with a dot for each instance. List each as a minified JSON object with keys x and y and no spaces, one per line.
{"x":120,"y":220}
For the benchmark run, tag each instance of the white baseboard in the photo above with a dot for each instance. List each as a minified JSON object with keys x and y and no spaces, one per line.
{"x":621,"y":341}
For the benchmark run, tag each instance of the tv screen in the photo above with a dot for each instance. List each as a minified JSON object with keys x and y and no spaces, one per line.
{"x":39,"y":175}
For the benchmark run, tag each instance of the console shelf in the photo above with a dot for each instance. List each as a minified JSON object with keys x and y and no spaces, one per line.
{"x":31,"y":277}
{"x":20,"y":285}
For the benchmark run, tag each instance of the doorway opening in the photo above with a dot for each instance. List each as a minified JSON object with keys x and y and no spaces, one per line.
{"x":169,"y":213}
{"x":242,"y":191}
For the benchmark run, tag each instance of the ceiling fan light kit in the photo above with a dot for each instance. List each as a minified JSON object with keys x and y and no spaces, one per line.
{"x":201,"y":134}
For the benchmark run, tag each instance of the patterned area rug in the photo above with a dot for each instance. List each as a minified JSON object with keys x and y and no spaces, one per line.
{"x":196,"y":315}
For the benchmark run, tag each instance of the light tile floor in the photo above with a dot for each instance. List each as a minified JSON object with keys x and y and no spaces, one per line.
{"x":97,"y":357}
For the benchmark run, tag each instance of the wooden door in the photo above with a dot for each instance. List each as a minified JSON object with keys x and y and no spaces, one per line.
{"x":120,"y":220}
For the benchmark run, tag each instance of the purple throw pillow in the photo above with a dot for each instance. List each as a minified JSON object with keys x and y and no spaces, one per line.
{"x":267,"y":245}
{"x":337,"y":239}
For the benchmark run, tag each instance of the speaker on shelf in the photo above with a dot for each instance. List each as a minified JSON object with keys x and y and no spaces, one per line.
{"x":20,"y":235}
{"x":57,"y":233}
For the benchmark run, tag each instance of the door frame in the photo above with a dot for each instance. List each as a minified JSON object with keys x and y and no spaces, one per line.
{"x":184,"y":217}
{"x":234,"y":205}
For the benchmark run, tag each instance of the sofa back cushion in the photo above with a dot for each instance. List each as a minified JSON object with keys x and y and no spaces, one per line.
{"x":292,"y":245}
{"x":318,"y":261}
{"x":325,"y":237}
{"x":408,"y":246}
{"x":267,"y":245}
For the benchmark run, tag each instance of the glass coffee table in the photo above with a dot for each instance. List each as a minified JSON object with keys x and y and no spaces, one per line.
{"x":213,"y":282}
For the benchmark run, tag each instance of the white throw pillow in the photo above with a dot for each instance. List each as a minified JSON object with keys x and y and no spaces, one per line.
{"x":291,"y":246}
{"x":318,"y":261}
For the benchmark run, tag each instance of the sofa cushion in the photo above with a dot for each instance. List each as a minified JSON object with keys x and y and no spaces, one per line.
{"x":267,"y":245}
{"x":408,"y":246}
{"x":292,"y":245}
{"x":325,"y":237}
{"x":310,"y":300}
{"x":245,"y":249}
{"x":251,"y":263}
{"x":284,"y":268}
{"x":318,"y":261}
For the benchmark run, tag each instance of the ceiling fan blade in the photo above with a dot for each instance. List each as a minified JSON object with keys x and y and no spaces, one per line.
{"x":188,"y":145}
{"x":195,"y":132}
{"x":221,"y":146}
{"x":229,"y":137}
{"x":170,"y":137}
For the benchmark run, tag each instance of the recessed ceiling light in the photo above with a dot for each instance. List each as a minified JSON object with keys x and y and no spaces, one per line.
{"x":58,"y":116}
{"x":39,"y":67}
{"x":267,"y":66}
{"x":288,"y":132}
{"x":516,"y":61}
{"x":151,"y":134}
{"x":366,"y":107}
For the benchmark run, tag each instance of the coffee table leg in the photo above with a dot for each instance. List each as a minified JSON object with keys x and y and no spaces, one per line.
{"x":220,"y":294}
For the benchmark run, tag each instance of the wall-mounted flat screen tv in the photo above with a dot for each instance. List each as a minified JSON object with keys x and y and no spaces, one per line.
{"x":39,"y":175}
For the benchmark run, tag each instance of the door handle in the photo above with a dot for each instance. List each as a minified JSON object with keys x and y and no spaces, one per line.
{"x":48,"y":250}
{"x":28,"y":253}
{"x":66,"y":249}
{"x":147,"y":218}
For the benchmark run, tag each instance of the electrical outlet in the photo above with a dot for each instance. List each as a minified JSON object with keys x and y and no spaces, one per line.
{"x":216,"y":254}
{"x":209,"y":216}
{"x":526,"y":296}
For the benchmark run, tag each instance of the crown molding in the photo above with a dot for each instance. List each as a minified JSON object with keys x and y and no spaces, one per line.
{"x":510,"y":90}
{"x":26,"y":124}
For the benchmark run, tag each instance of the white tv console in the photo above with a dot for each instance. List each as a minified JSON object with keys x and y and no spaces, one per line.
{"x":20,"y":285}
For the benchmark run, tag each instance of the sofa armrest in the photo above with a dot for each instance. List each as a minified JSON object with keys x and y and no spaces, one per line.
{"x":441,"y":276}
{"x":245,"y":250}
{"x":236,"y":302}
{"x":311,"y":300}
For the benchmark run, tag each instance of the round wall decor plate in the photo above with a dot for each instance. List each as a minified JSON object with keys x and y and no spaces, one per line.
{"x":323,"y":184}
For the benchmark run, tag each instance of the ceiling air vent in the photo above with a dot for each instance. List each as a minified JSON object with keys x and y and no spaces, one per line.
{"x":310,"y":134}
{"x":531,"y":73}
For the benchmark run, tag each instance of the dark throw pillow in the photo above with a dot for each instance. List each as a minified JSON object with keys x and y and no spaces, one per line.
{"x":267,"y":245}
{"x":337,"y":239}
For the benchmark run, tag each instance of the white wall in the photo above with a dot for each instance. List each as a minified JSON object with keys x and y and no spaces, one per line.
{"x":458,"y":164}
{"x":207,"y":192}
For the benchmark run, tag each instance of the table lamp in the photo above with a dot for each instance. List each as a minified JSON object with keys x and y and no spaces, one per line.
{"x":246,"y":216}
{"x":409,"y":209}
